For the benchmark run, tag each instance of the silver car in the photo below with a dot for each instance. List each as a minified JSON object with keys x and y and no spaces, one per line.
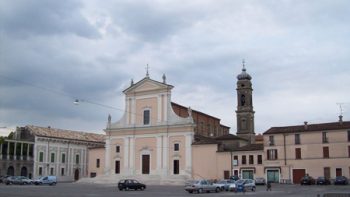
{"x":200,"y":186}
{"x":224,"y":184}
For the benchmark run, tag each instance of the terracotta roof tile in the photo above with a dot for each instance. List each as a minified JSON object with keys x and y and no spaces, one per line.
{"x":310,"y":127}
{"x":230,"y":137}
{"x":200,"y":139}
{"x":250,"y":147}
{"x":65,"y":134}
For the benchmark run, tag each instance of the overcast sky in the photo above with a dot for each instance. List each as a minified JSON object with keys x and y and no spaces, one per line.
{"x":53,"y":52}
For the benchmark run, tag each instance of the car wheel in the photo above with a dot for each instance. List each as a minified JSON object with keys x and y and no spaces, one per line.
{"x":253,"y":189}
{"x":142,"y":188}
{"x":200,"y":190}
{"x":190,"y":192}
{"x":217,"y":190}
{"x":127,"y":188}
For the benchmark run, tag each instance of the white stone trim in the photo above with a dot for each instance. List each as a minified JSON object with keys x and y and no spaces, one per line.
{"x":155,"y":135}
{"x":188,"y":152}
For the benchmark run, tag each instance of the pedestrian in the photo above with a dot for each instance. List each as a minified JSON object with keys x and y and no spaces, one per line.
{"x":268,"y":186}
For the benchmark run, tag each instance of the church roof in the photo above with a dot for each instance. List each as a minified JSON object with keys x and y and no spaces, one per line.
{"x":65,"y":134}
{"x":309,"y":128}
{"x":145,"y":79}
{"x":244,"y":75}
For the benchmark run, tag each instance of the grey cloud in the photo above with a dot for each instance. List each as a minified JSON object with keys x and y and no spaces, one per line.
{"x":148,"y":21}
{"x":32,"y":17}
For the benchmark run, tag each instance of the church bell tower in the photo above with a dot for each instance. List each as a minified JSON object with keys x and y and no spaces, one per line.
{"x":245,"y":112}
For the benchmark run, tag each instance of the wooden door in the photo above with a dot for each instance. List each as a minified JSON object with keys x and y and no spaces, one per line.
{"x":226,"y":174}
{"x":176,"y":166}
{"x":297,"y":175}
{"x":76,"y":174}
{"x":117,"y":167}
{"x":338,"y":172}
{"x":327,"y":172}
{"x":145,"y":164}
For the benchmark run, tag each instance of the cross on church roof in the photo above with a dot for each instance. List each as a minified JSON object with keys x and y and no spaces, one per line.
{"x":243,"y":64}
{"x":147,"y":68}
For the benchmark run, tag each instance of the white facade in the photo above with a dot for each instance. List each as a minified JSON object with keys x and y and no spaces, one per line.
{"x":66,"y":159}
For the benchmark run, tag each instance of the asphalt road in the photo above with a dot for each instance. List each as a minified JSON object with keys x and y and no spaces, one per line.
{"x":94,"y":190}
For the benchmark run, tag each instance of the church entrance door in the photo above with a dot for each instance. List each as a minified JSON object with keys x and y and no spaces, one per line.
{"x":176,"y":166}
{"x":117,"y":167}
{"x":145,"y":164}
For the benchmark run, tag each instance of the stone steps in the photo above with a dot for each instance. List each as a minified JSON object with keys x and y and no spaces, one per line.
{"x":146,"y":179}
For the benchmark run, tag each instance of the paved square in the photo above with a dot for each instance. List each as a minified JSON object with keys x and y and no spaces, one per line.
{"x":92,"y":190}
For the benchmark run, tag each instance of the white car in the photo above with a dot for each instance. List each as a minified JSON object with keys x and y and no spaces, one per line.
{"x":224,"y":184}
{"x":248,"y":184}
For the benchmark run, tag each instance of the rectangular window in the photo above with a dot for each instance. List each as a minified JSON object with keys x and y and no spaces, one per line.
{"x":298,"y":153}
{"x":297,"y":138}
{"x":349,"y":152}
{"x":77,"y":159}
{"x":324,"y":137}
{"x":52,"y":157}
{"x":244,"y":160}
{"x":41,"y":157}
{"x":176,"y":147}
{"x":117,"y":149}
{"x":40,"y":171}
{"x":63,"y":158}
{"x":251,"y":159}
{"x":259,"y":159}
{"x":51,"y":171}
{"x":272,"y":154}
{"x":146,"y":117}
{"x":62,"y":171}
{"x":325,"y":152}
{"x":235,"y":160}
{"x":271,"y":140}
{"x":97,"y":163}
{"x":348,"y":135}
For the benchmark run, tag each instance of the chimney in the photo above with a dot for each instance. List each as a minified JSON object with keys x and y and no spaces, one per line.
{"x":305,"y":125}
{"x":341,"y":120}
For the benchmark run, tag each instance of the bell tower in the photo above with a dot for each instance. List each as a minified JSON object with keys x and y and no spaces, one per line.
{"x":245,"y":112}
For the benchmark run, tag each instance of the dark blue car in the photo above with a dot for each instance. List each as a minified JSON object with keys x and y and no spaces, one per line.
{"x":341,"y":180}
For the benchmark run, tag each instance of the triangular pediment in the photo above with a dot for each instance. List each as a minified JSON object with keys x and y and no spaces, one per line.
{"x":147,"y":84}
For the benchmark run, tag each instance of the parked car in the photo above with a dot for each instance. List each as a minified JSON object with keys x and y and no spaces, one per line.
{"x":201,"y":186}
{"x":21,"y":180}
{"x":10,"y":180}
{"x":260,"y":181}
{"x":50,"y":180}
{"x":3,"y":178}
{"x":234,"y":177}
{"x":224,"y":184}
{"x":341,"y":180}
{"x":244,"y":185}
{"x":127,"y":184}
{"x":232,"y":186}
{"x":322,"y":181}
{"x":307,"y":180}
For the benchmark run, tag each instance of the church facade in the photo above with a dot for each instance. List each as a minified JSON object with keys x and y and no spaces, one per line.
{"x":150,"y":138}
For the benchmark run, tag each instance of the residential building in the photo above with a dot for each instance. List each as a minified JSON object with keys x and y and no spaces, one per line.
{"x":316,"y":149}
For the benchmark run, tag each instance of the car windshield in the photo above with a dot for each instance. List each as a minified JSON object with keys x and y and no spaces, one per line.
{"x":222,"y":182}
{"x":240,"y":181}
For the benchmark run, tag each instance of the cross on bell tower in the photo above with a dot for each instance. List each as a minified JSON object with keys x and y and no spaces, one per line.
{"x":245,"y":112}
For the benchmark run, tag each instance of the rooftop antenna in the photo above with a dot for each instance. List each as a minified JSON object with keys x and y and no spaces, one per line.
{"x":341,"y":108}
